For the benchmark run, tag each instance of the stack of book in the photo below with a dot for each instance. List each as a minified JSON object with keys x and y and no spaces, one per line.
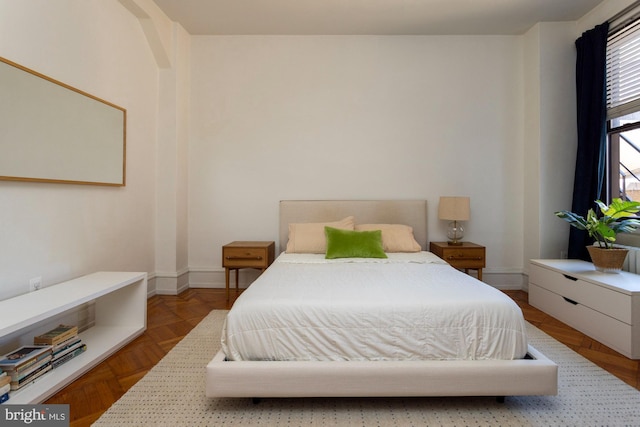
{"x":26,"y":364}
{"x":5,"y":386}
{"x":65,"y":344}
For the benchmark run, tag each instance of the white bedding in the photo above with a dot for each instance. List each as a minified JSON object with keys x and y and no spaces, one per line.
{"x":405,"y":307}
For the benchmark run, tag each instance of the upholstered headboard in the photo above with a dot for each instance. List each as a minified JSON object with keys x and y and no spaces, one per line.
{"x":408,"y":212}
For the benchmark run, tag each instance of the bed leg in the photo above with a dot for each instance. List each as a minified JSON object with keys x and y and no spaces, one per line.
{"x":500,"y":399}
{"x":256,"y":400}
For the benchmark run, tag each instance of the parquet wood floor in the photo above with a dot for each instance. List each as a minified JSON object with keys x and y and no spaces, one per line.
{"x":170,"y":318}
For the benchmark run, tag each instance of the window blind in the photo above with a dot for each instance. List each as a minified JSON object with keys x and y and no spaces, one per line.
{"x":623,"y":71}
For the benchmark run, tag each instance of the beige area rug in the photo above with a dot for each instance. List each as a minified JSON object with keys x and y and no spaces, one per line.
{"x":172,"y":394}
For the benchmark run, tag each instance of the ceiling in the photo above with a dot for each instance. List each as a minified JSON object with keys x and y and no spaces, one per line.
{"x":369,"y":17}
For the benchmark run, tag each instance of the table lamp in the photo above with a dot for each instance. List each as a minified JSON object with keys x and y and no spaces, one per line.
{"x":454,"y":209}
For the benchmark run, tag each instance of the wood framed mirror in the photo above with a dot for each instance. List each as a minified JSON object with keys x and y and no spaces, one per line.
{"x":52,"y":132}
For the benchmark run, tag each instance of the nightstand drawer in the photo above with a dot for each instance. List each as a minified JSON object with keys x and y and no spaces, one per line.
{"x":464,"y":258}
{"x":245,"y":257}
{"x":248,"y":255}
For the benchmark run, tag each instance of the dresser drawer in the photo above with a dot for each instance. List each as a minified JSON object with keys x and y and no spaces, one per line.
{"x":607,"y":330}
{"x":602,"y":299}
{"x":245,"y":257}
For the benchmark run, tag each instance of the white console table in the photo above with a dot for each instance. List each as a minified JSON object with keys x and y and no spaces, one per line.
{"x":603,"y":306}
{"x":120,"y":316}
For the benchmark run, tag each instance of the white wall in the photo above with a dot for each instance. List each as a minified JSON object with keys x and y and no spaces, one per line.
{"x":550,"y":136}
{"x":532,"y":132}
{"x":362,"y":117}
{"x":558,"y":135}
{"x":172,"y":169}
{"x":63,"y":231}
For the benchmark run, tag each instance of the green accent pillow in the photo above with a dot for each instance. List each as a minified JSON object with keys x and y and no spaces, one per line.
{"x":353,"y":244}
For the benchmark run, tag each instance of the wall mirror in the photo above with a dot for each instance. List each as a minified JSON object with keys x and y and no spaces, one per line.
{"x":52,"y":132}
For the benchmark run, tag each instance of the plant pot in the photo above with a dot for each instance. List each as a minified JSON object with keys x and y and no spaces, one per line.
{"x":607,"y":260}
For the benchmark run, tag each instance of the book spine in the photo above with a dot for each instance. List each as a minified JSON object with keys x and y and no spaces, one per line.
{"x":68,"y":356}
{"x":65,"y":344}
{"x":66,"y":350}
{"x":27,"y":362}
{"x":22,"y":366}
{"x":34,"y":361}
{"x":23,"y":382}
{"x":19,"y":375}
{"x":57,"y":339}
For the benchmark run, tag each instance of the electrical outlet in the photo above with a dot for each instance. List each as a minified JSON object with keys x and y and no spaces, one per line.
{"x":35,"y":283}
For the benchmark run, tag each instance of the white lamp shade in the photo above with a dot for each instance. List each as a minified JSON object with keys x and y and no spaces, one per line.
{"x":454,"y":208}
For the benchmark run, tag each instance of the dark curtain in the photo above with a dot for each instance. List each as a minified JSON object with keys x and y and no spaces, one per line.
{"x":591,"y":111}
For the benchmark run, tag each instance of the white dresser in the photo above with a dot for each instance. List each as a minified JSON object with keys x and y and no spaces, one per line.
{"x":604,"y":306}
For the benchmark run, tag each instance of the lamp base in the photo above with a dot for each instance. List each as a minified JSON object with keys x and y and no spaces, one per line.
{"x":455,"y":233}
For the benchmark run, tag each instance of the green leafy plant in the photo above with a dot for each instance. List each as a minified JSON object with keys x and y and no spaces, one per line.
{"x":618,"y":217}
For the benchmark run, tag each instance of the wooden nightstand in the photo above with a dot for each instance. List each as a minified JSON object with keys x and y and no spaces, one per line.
{"x":241,"y":254}
{"x":467,"y":256}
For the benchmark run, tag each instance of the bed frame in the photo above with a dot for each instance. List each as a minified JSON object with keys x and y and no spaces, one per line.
{"x":534,"y":375}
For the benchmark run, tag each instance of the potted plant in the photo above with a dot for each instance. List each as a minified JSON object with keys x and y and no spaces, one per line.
{"x":618,"y":217}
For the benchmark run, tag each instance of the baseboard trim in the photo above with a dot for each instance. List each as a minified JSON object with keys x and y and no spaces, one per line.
{"x":171,"y":283}
{"x":505,"y":279}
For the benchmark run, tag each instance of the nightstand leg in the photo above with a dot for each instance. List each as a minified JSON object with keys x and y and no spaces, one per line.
{"x":237,"y":274}
{"x":479,"y":270}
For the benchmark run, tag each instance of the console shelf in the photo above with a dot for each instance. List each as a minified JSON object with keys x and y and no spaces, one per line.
{"x":120,"y":316}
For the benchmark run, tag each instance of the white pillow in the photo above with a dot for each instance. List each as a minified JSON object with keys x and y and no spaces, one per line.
{"x":309,"y":237}
{"x":395,"y":237}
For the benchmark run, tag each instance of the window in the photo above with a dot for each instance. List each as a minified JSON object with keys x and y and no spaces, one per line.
{"x":623,"y":111}
{"x":624,"y":157}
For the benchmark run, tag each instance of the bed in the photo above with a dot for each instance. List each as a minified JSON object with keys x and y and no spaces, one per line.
{"x":293,"y":361}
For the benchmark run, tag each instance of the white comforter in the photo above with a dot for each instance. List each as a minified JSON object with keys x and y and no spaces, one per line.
{"x":406,"y":307}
